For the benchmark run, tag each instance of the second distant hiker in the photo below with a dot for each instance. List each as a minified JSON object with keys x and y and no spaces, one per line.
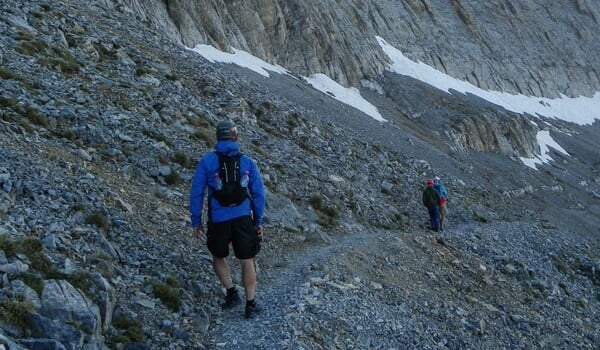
{"x":431,"y":199}
{"x":437,"y":184}
{"x":236,"y":203}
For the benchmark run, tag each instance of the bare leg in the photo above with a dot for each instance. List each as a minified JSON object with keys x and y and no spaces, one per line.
{"x":223,"y":272}
{"x":249,"y":277}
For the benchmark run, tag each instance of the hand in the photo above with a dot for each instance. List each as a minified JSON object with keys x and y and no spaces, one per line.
{"x":259,"y":232}
{"x":199,"y":230}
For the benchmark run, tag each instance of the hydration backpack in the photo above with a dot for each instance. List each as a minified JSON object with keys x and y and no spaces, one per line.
{"x":232,"y":186}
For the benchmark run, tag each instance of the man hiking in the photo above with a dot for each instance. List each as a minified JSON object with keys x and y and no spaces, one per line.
{"x":437,"y":184}
{"x":236,"y":203}
{"x":431,"y":199}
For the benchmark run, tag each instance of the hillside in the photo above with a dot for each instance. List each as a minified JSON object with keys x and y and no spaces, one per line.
{"x":103,"y":116}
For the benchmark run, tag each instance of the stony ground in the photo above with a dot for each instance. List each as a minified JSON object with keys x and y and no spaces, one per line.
{"x":391,"y":290}
{"x":101,"y":123}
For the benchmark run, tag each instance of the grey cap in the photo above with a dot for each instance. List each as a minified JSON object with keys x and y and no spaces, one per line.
{"x":226,"y":130}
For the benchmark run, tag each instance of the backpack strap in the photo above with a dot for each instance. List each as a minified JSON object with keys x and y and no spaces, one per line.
{"x":222,"y":157}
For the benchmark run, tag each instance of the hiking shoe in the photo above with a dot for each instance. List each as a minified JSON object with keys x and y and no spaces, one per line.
{"x":252,"y":310}
{"x":231,"y":300}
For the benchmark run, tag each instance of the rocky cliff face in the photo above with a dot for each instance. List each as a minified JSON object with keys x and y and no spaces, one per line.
{"x":531,"y":47}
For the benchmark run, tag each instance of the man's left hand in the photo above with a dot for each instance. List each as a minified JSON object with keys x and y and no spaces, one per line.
{"x":199,"y":230}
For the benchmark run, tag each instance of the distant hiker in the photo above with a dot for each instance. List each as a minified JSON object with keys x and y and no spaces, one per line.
{"x":431,"y":199}
{"x":236,"y":203}
{"x":437,"y":184}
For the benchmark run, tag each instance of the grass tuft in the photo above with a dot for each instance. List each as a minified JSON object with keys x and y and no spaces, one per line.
{"x":16,"y":312}
{"x":131,"y":330}
{"x":167,"y":294}
{"x":34,"y":282}
{"x":173,"y":178}
{"x":98,"y":219}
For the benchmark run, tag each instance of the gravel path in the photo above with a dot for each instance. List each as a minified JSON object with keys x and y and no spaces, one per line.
{"x":284,"y":295}
{"x":389,"y":290}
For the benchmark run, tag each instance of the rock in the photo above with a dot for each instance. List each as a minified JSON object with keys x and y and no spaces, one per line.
{"x":15,"y":268}
{"x":84,"y":155}
{"x":164,"y":170}
{"x":55,"y":333}
{"x":61,"y":302}
{"x":107,"y":300}
{"x":38,"y":344}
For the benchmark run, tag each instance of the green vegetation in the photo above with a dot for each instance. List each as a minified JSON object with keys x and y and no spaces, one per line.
{"x":97,"y":219}
{"x":172,"y":77}
{"x":8,"y":246}
{"x":16,"y":312}
{"x":307,"y":146}
{"x":208,"y":136}
{"x":168,"y":294}
{"x":162,"y":159}
{"x":142,"y":71}
{"x":173,"y":282}
{"x":386,"y":191}
{"x":183,"y":160}
{"x":65,"y":133}
{"x":328,"y":214}
{"x":31,"y":48}
{"x":80,"y":280}
{"x":78,"y":207}
{"x":173,"y":178}
{"x":131,"y":331}
{"x":6,"y":74}
{"x":316,"y":201}
{"x":280,"y":167}
{"x":61,"y":59}
{"x":293,"y":121}
{"x":34,"y":116}
{"x":560,"y":263}
{"x":24,"y":36}
{"x":480,"y":218}
{"x":107,"y":52}
{"x":30,"y":247}
{"x":54,"y":57}
{"x":34,"y":282}
{"x":31,"y":114}
{"x":156,"y":136}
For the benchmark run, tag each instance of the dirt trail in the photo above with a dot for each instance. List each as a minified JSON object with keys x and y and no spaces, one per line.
{"x":280,"y":294}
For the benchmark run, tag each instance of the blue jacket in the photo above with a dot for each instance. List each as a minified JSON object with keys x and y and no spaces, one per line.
{"x":203,"y":181}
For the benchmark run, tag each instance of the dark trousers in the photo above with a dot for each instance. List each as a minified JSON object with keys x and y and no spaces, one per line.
{"x":434,"y":216}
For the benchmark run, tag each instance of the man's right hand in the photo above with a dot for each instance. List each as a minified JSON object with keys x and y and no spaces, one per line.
{"x":259,"y":232}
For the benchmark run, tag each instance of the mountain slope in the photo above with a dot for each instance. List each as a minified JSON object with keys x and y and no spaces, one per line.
{"x":528,"y":47}
{"x":102,"y":121}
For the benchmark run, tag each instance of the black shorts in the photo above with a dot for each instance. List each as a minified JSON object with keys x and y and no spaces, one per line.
{"x":239,"y":231}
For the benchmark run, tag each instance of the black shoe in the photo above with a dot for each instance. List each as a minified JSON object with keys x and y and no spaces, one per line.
{"x":252,"y":309}
{"x":231,"y":300}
